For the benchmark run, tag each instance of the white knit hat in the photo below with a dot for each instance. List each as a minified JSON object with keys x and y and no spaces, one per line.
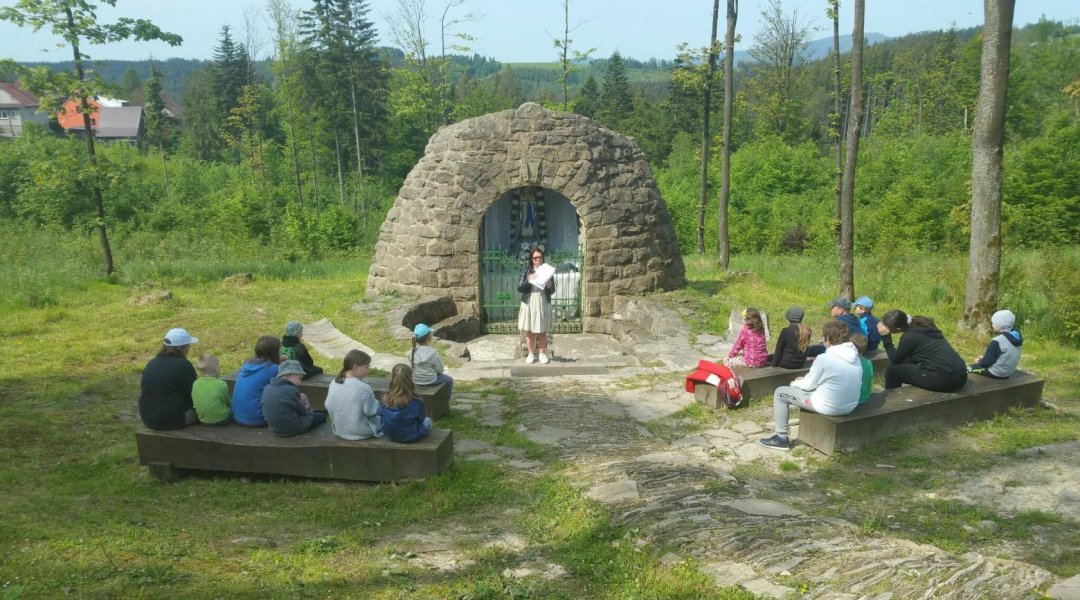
{"x":1003,"y":320}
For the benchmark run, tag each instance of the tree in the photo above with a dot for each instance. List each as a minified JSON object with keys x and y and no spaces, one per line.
{"x":725,"y":157}
{"x":706,"y":134}
{"x":616,"y":102}
{"x":565,"y":58}
{"x":75,"y":21}
{"x":988,"y":136}
{"x":838,"y":145}
{"x":131,"y":81}
{"x":847,"y":190}
{"x":588,"y":101}
{"x":155,"y":120}
{"x":779,"y":48}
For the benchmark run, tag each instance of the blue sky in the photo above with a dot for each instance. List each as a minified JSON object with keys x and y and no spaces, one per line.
{"x":522,"y":30}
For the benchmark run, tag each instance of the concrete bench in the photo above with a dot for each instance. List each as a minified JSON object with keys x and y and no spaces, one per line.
{"x":317,"y":453}
{"x":761,"y":382}
{"x":910,"y":408}
{"x":436,"y":398}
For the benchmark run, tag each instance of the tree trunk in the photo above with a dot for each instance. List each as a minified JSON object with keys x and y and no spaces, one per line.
{"x":988,"y":136}
{"x":356,"y":133}
{"x":91,"y":151}
{"x":706,"y":137}
{"x":296,"y":164}
{"x":565,"y":49}
{"x":164,"y":168}
{"x":723,"y":254}
{"x":847,"y":191}
{"x":340,"y":167}
{"x":837,"y":130}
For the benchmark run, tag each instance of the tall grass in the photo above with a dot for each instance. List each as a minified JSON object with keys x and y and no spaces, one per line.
{"x":49,"y":266}
{"x":1040,"y":286}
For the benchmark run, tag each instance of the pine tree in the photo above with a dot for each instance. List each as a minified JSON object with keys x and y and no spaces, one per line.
{"x":616,"y":102}
{"x":587,"y":103}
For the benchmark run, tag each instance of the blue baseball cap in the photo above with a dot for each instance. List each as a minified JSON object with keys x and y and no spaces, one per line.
{"x":865,"y":302}
{"x":421,"y":330}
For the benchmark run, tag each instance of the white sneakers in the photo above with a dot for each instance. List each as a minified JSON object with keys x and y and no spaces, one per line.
{"x":543,"y":358}
{"x":530,"y":359}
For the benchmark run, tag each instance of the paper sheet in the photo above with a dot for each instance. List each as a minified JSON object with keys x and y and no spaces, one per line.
{"x":543,"y":274}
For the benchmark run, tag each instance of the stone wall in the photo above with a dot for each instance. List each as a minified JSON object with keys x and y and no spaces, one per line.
{"x":429,"y":243}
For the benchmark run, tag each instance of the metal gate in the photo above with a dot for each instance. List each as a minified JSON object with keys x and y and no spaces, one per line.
{"x":500,"y":272}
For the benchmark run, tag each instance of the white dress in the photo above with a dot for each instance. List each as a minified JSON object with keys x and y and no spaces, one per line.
{"x":535,"y":315}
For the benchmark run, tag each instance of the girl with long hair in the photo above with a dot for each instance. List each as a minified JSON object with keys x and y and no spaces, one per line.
{"x":403,"y":416}
{"x":350,"y":401}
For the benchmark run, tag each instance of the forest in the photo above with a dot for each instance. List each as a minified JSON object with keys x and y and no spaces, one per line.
{"x":300,"y":155}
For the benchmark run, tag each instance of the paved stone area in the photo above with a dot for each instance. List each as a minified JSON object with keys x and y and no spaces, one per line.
{"x":679,"y":492}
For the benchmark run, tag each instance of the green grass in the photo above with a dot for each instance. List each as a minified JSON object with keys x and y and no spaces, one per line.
{"x":82,"y":518}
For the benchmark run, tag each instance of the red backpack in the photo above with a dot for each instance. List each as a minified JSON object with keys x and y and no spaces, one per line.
{"x":728,"y":384}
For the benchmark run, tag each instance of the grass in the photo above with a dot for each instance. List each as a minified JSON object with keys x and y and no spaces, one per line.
{"x":81,"y":517}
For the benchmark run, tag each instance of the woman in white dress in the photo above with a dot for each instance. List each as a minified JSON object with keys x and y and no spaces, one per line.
{"x":534,"y":318}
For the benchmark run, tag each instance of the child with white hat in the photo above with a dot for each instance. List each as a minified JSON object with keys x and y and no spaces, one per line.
{"x":1002,"y":355}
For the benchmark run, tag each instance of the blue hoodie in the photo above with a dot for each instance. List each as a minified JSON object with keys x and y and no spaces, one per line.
{"x":247,"y":406}
{"x":1002,"y":355}
{"x":404,"y":424}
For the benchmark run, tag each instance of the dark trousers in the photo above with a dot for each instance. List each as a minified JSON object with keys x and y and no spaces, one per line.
{"x":913,"y":374}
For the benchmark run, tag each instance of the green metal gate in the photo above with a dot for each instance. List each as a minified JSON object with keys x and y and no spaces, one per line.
{"x":500,"y":272}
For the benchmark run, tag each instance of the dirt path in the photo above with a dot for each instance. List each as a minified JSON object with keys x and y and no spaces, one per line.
{"x":681,"y":494}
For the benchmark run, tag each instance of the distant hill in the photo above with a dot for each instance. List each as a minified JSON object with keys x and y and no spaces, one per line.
{"x":818,"y":49}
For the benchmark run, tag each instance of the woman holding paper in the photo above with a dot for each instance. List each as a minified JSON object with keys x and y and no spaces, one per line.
{"x":537,"y":286}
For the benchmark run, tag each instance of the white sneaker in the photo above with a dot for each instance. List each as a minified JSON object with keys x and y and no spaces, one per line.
{"x":530,"y":359}
{"x":543,"y":359}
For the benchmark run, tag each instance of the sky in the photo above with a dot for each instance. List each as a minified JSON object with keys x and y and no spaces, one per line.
{"x":523,"y":30}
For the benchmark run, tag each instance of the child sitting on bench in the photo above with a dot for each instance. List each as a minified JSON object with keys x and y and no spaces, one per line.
{"x":1002,"y":355}
{"x":287,"y":411}
{"x":830,"y":388}
{"x":294,"y":349}
{"x":751,"y":342}
{"x":403,"y":416}
{"x":210,"y":393}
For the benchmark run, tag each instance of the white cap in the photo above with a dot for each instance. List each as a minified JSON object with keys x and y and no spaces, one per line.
{"x":179,"y":337}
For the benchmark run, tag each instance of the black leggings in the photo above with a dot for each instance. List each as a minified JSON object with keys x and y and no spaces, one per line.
{"x":913,"y":374}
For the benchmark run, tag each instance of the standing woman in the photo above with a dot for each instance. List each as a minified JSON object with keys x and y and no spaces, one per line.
{"x":923,"y":358}
{"x":165,"y":394}
{"x":534,"y":318}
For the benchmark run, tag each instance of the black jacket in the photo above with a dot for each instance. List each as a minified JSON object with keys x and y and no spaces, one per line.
{"x":527,"y":288}
{"x":165,"y":393}
{"x":300,"y":353}
{"x":927,"y":348}
{"x":787,"y":354}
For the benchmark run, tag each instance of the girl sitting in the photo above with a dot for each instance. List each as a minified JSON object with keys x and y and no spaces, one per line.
{"x":792,"y":343}
{"x":751,"y":342}
{"x":402,"y":413}
{"x":353,"y":409}
{"x":254,"y":374}
{"x":426,"y":364}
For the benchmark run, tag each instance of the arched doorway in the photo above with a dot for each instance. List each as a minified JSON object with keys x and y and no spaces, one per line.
{"x":518,"y":220}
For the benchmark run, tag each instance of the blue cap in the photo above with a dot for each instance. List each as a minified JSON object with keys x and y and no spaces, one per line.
{"x":421,"y":330}
{"x":865,"y":302}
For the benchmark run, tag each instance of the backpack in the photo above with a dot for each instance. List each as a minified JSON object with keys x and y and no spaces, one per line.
{"x":729,"y":390}
{"x":728,"y":384}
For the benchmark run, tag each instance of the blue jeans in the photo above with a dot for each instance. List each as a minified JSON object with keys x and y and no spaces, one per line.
{"x":448,"y":380}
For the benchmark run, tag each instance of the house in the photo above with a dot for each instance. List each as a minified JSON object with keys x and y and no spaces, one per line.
{"x":18,"y":107}
{"x":111,"y":119}
{"x":70,"y":115}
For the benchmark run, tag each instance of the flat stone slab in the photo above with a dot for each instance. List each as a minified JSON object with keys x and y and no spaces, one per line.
{"x":692,"y":440}
{"x":1066,"y":590}
{"x":466,"y":445}
{"x":764,"y":587}
{"x":549,"y":435}
{"x":618,"y":491}
{"x":729,"y":573}
{"x":557,"y":369}
{"x":763,"y":508}
{"x":910,"y":408}
{"x":747,"y":428}
{"x":318,"y":453}
{"x":724,"y":434}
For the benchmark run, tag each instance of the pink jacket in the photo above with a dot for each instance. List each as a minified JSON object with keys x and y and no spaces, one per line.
{"x":752,"y":344}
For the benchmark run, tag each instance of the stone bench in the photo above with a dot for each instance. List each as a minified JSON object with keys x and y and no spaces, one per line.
{"x":436,"y":398}
{"x":317,"y":453}
{"x":910,"y":408}
{"x":761,"y":382}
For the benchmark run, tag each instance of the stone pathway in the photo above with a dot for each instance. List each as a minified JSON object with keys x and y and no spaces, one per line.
{"x":681,"y":494}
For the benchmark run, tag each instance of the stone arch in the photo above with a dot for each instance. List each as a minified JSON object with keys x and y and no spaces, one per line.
{"x":429,"y":243}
